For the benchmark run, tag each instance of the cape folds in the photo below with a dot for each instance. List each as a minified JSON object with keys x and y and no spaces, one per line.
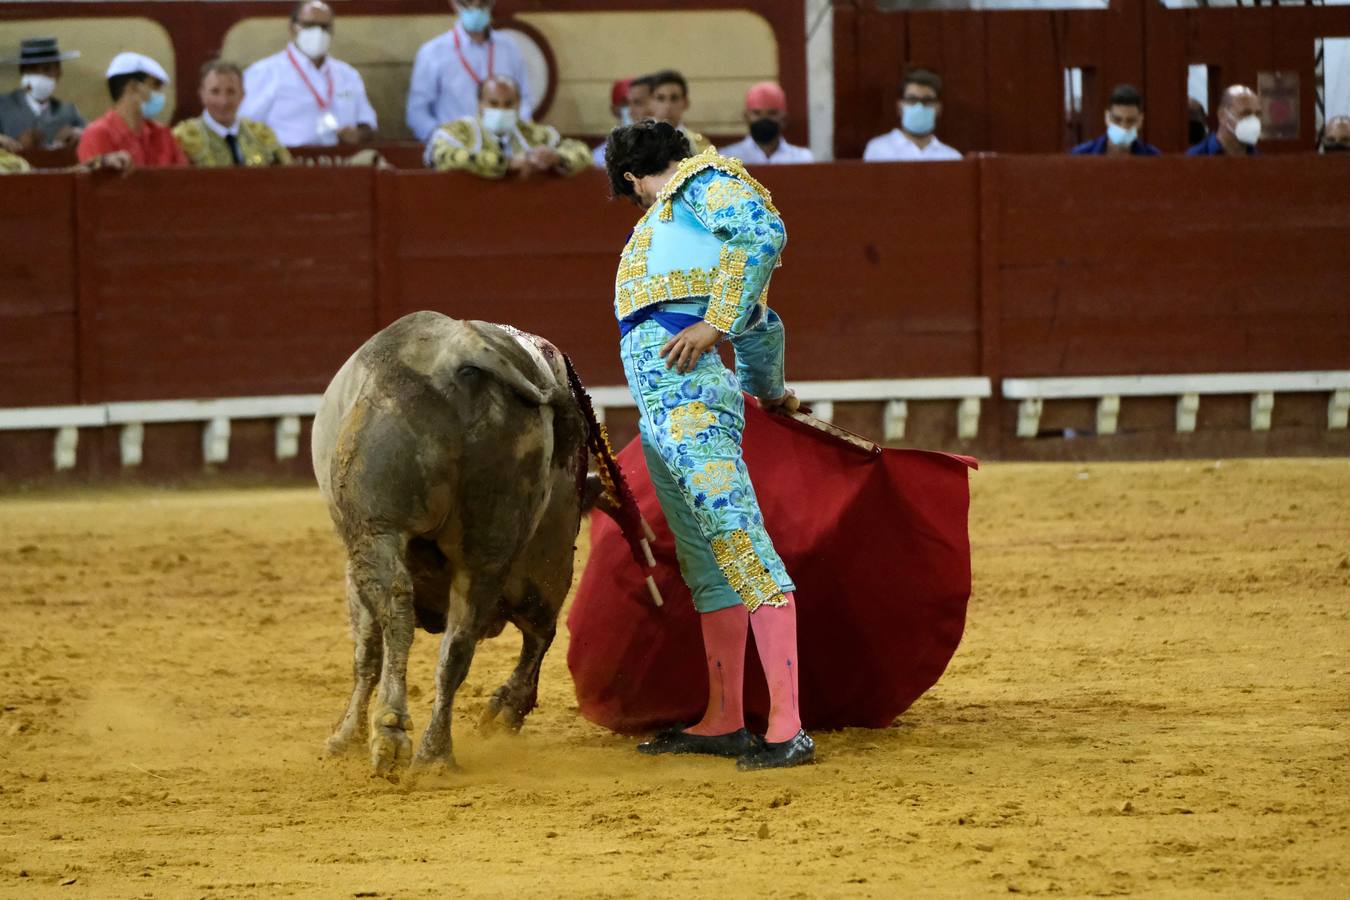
{"x":876,"y":543}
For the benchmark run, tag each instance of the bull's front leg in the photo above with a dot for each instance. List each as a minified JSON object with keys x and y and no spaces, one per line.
{"x":382,"y":583}
{"x":471,"y":597}
{"x":367,"y":655}
{"x":515,"y":699}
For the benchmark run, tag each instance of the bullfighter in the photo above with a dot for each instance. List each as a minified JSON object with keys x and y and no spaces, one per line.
{"x":694,"y":272}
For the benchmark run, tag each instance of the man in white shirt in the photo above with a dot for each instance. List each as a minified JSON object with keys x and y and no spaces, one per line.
{"x":450,"y":69}
{"x":766,"y":114}
{"x":919,"y":106}
{"x":302,"y":93}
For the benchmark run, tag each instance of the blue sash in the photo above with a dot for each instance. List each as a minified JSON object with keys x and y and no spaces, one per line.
{"x":674,"y":322}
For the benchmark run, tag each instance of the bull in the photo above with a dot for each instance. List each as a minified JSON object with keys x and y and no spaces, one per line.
{"x":452,"y":456}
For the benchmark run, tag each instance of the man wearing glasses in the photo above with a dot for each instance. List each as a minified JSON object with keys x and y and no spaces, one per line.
{"x":304,"y":94}
{"x":913,"y":140}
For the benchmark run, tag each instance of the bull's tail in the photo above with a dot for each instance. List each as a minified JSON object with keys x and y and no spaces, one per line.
{"x":618,"y":500}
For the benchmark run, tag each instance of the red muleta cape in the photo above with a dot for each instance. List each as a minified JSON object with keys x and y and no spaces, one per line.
{"x":876,"y":543}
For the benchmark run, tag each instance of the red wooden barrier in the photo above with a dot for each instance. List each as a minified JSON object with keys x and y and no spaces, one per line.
{"x":1191,"y":266}
{"x":38,"y":363}
{"x":171,"y":284}
{"x":225,"y":283}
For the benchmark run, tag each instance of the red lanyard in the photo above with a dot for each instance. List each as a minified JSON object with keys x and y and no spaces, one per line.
{"x":303,"y":77}
{"x":492,"y":45}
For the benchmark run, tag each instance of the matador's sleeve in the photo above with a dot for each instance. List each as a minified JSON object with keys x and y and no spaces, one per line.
{"x":752,"y":237}
{"x":280,"y":156}
{"x":575,"y":156}
{"x":759,"y":357}
{"x":458,"y":146}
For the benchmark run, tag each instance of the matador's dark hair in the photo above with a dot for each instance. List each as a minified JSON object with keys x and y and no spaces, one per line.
{"x":643,"y":148}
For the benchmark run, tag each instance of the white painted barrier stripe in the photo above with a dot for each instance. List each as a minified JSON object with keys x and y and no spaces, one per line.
{"x":1095,"y":386}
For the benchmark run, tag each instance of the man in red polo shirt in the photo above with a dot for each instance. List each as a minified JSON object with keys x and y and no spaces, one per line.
{"x":137,"y":84}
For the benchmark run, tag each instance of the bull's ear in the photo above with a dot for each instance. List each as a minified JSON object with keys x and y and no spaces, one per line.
{"x":592,"y":493}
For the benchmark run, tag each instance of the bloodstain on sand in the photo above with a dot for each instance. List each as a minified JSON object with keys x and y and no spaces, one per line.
{"x":1151,"y":699}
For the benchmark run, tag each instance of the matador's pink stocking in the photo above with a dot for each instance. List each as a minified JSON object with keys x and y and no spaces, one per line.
{"x":724,"y":635}
{"x":775,"y":630}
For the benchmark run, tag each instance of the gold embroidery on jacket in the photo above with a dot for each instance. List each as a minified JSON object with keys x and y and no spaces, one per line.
{"x":678,"y":285}
{"x":724,"y":304}
{"x":708,"y":159}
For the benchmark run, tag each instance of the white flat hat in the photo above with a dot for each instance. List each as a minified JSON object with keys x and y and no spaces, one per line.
{"x":127,"y":63}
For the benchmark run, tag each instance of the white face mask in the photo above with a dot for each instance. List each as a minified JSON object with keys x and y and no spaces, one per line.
{"x":1248,"y":130}
{"x":39,"y":87}
{"x":499,"y":121}
{"x":313,"y":42}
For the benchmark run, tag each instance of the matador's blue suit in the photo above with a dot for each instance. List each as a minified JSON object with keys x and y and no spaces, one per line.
{"x":705,"y":250}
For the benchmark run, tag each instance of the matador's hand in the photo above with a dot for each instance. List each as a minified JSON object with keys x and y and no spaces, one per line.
{"x":682,"y":352}
{"x":784,"y":405}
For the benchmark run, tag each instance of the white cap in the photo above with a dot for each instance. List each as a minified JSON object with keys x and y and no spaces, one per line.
{"x":127,"y":63}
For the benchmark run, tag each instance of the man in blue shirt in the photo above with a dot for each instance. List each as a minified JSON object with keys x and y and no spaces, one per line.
{"x":1124,"y":118}
{"x":1239,"y":125}
{"x":450,"y":70}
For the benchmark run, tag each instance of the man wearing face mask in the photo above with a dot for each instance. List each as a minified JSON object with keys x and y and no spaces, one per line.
{"x":495,"y":143}
{"x":305,"y":95}
{"x":1239,"y":125}
{"x":451,"y":69}
{"x":1124,"y":118}
{"x":31,"y":116}
{"x":136,"y":83}
{"x":629,"y":100}
{"x":914,"y":140}
{"x":1336,"y":135}
{"x":766,"y":114}
{"x":220,"y":136}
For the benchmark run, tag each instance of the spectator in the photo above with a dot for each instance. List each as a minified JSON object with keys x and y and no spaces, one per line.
{"x":1124,"y":118}
{"x":302,"y":93}
{"x":640,"y":98}
{"x":496,"y":142}
{"x":219,"y":137}
{"x":621,"y":106}
{"x":913,"y":140}
{"x":766,"y":114}
{"x":32,"y":116}
{"x":450,"y":70}
{"x":1336,"y":135}
{"x":670,"y":101}
{"x":1197,"y":126}
{"x":136,"y":83}
{"x":1239,"y":123}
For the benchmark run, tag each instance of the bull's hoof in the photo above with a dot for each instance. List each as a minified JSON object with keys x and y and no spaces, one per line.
{"x":504,"y":712}
{"x":433,"y":772}
{"x":390,"y":745}
{"x":343,"y":744}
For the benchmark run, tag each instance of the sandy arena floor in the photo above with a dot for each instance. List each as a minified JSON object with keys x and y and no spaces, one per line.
{"x":1151,"y":699}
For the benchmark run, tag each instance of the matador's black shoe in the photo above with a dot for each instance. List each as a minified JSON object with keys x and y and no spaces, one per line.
{"x":798,"y":750}
{"x":677,"y":740}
